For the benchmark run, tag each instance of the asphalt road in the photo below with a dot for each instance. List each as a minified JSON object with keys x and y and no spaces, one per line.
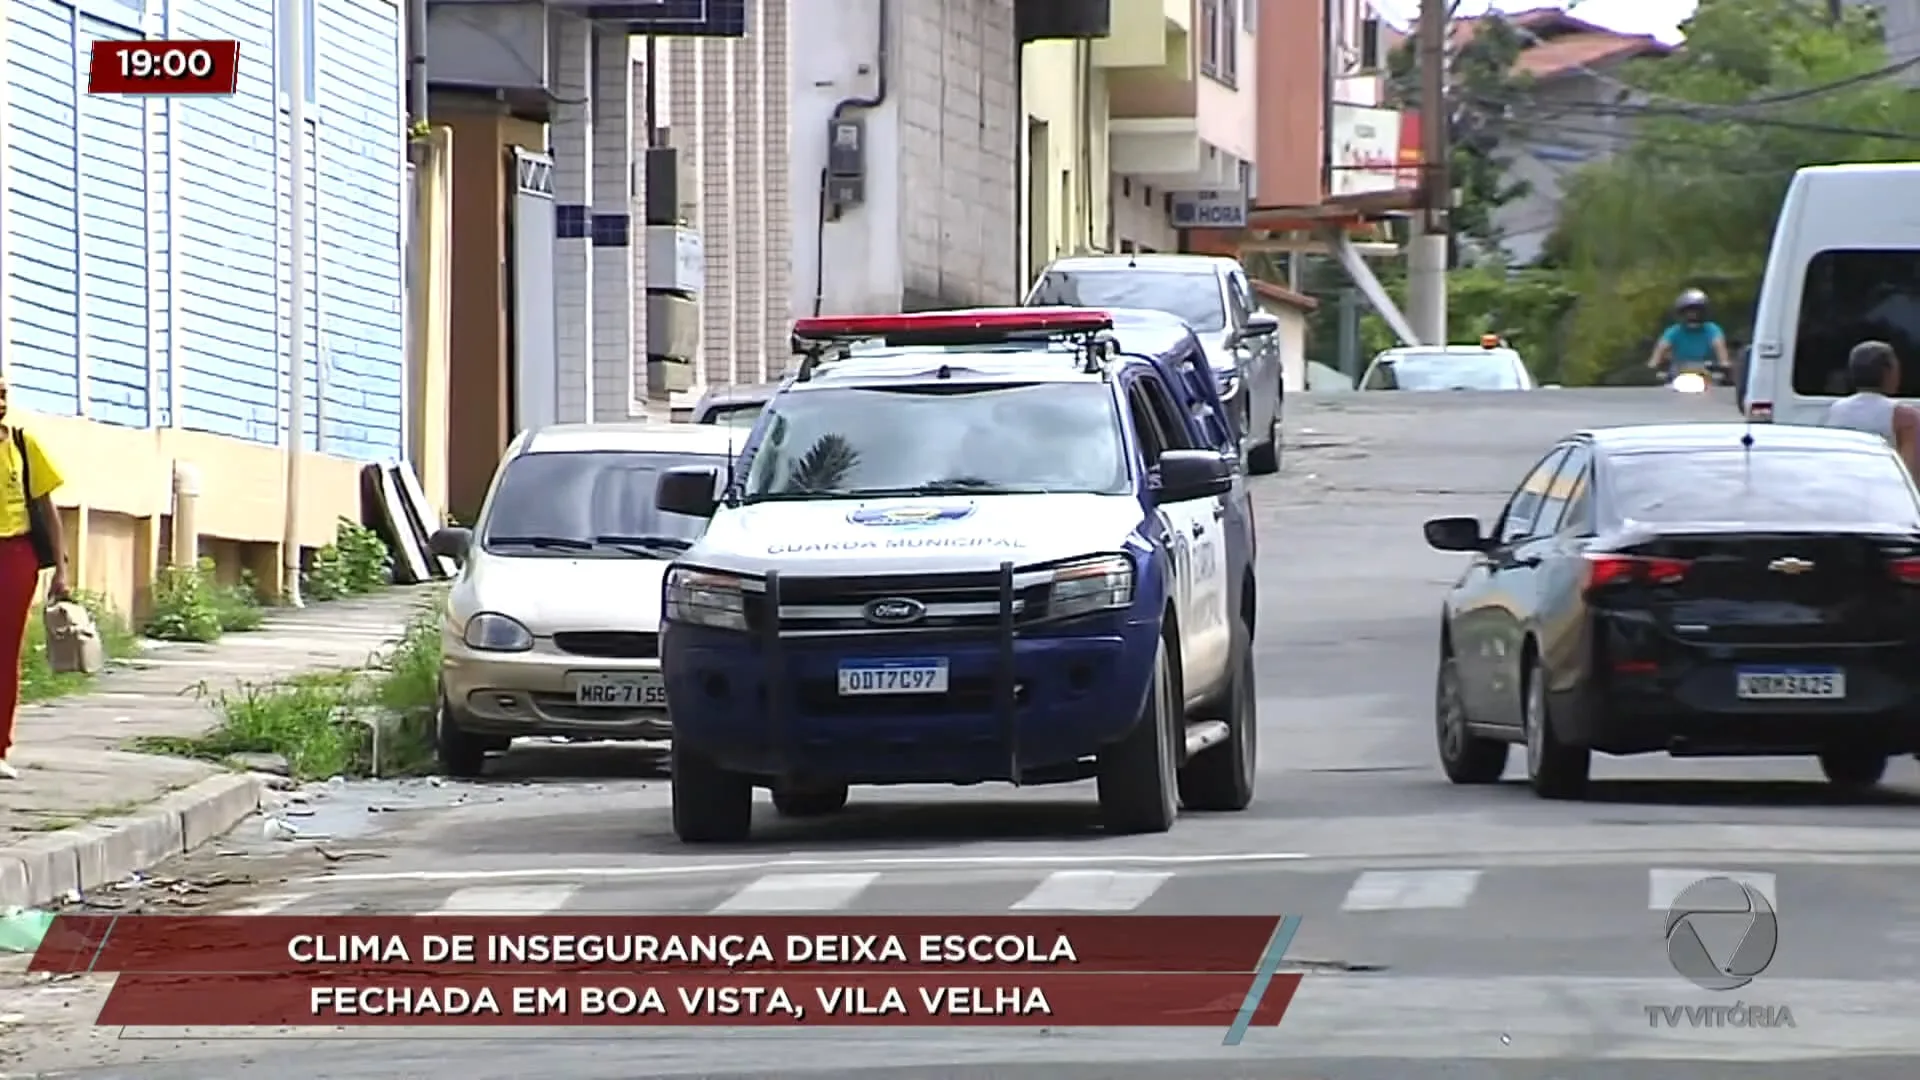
{"x":1447,"y":932}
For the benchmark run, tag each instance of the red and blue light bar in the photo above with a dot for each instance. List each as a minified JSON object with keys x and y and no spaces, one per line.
{"x":954,"y":326}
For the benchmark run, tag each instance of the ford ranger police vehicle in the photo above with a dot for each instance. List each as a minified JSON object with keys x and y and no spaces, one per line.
{"x":963,"y":547}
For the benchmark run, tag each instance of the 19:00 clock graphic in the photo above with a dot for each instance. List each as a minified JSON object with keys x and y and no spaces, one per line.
{"x":164,"y":67}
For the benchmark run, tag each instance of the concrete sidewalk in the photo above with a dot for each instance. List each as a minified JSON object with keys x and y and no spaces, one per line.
{"x":86,"y":813}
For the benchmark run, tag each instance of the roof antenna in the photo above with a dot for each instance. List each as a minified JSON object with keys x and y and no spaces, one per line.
{"x":727,"y":494}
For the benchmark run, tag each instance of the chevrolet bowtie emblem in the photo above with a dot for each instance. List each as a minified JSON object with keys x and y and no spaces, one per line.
{"x":1789,"y":565}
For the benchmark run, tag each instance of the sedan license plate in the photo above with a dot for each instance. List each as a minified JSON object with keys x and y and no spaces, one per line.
{"x":893,"y":677}
{"x":1791,"y":684}
{"x":642,"y":691}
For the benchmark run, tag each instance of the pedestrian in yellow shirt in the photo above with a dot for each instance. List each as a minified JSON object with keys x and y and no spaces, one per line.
{"x":30,"y":541}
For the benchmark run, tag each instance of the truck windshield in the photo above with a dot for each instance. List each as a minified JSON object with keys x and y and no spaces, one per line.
{"x":940,"y":439}
{"x":1194,"y":297}
{"x":1445,"y":371}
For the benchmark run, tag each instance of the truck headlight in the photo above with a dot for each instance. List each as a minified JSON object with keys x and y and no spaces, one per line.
{"x":493,"y":632}
{"x":701,"y":598}
{"x":1104,"y":583}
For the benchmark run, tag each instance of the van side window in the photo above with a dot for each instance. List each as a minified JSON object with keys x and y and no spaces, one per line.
{"x":1852,"y":296}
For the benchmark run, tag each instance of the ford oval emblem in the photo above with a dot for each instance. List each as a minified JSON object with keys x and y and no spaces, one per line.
{"x":894,"y":611}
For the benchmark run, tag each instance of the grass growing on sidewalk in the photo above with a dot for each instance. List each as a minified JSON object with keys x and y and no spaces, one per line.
{"x":39,"y":682}
{"x":315,"y":720}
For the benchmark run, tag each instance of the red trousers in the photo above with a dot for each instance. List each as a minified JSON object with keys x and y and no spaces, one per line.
{"x":19,"y":579}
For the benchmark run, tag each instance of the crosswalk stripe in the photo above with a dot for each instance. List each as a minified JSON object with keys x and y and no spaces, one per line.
{"x":1399,"y":890}
{"x":1665,"y":884}
{"x":1092,"y":890}
{"x":267,"y":905}
{"x":799,"y":892}
{"x":506,"y":900}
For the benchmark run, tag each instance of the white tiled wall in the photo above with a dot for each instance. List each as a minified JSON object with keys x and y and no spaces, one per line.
{"x":613,"y":282}
{"x":572,"y":130}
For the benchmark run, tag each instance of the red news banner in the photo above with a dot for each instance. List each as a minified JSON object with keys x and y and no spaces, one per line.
{"x":1098,"y":971}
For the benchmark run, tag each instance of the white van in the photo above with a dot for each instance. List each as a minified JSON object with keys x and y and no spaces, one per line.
{"x":1844,"y":268}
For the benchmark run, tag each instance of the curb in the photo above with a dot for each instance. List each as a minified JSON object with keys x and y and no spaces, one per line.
{"x":46,"y":866}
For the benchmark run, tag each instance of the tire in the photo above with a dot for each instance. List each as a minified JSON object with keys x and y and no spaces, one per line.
{"x":462,"y":754}
{"x":805,"y":804}
{"x":710,"y":804}
{"x":1221,"y":777}
{"x":1139,"y":789}
{"x":1853,"y":769}
{"x":1264,"y":458}
{"x":1554,"y":769}
{"x":1465,"y":757}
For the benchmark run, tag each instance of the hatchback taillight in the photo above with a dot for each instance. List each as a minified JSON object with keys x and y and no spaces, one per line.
{"x":1608,"y":570}
{"x":1905,"y":571}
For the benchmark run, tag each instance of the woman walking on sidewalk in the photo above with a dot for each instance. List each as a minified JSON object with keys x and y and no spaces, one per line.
{"x":30,"y":541}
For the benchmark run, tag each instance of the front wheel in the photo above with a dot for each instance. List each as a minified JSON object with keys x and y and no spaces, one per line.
{"x":1264,"y":458}
{"x":1136,"y":778}
{"x":461,"y":753}
{"x":1465,"y":757}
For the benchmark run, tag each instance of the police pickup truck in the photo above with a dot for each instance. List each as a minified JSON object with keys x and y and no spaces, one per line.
{"x":1001,"y":545}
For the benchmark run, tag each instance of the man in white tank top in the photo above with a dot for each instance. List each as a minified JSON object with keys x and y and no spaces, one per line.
{"x":1874,"y":372}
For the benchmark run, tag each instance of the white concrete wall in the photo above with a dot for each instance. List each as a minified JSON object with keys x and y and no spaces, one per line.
{"x":938,"y":222}
{"x":572,"y":135}
{"x":1140,"y":215}
{"x":1225,"y":115}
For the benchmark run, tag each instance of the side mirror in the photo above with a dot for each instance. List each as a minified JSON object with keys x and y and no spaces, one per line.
{"x":1259,"y":324}
{"x":1194,"y":474}
{"x":1456,"y":534}
{"x":452,"y":542}
{"x":689,"y":490}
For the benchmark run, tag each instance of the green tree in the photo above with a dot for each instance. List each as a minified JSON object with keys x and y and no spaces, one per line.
{"x":1481,"y":77}
{"x":1761,"y":88}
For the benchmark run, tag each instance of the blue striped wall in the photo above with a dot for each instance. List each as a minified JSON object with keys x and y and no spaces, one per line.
{"x":362,"y":272}
{"x":160,"y":236}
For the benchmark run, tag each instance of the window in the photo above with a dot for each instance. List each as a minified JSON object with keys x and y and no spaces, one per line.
{"x":1229,"y":42}
{"x":564,"y":502}
{"x":1559,"y":493}
{"x":1372,"y":55}
{"x":1577,"y":520}
{"x":1192,"y":365}
{"x":1193,"y":297}
{"x":1516,"y":523}
{"x":951,"y":436}
{"x":1146,"y":426}
{"x":1210,"y":37}
{"x":1166,"y":413}
{"x":1855,"y":296}
{"x":280,"y":65}
{"x":1762,"y":487}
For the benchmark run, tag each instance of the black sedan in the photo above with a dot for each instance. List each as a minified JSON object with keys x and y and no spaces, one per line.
{"x":1697,"y":589}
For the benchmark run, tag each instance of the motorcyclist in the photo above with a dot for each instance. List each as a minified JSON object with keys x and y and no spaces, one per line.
{"x":1692,"y":342}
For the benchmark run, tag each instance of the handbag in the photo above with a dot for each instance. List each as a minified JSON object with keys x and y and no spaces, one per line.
{"x":37,"y":532}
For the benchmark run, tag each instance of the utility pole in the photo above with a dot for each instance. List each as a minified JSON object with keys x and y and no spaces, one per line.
{"x":1427,"y":247}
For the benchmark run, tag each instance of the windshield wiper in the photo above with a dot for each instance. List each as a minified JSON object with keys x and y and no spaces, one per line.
{"x":646,"y":547}
{"x":957,"y":486}
{"x":544,"y":543}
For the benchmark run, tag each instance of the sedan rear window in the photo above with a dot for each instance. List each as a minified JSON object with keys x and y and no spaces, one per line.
{"x":1762,"y":487}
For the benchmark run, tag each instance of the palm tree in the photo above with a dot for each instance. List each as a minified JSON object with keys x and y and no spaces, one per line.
{"x":825,"y":465}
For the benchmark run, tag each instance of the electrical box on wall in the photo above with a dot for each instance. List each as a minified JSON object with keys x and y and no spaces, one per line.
{"x":846,"y":163}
